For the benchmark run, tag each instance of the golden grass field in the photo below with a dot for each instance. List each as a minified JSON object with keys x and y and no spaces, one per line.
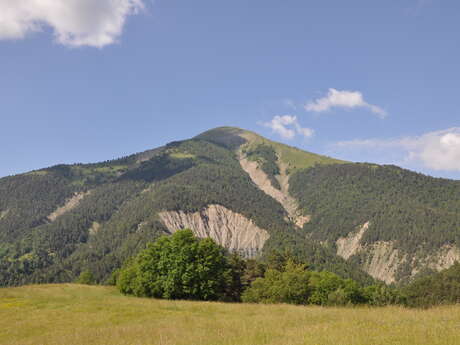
{"x":77,"y":314}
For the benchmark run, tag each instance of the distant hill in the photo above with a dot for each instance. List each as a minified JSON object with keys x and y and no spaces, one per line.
{"x":250,"y":194}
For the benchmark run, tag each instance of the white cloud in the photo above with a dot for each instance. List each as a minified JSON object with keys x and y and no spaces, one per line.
{"x":94,"y":23}
{"x":438,"y":150}
{"x":287,"y":126}
{"x":342,"y":99}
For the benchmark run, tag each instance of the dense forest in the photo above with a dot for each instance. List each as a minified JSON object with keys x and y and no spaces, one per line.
{"x":435,"y":289}
{"x":417,"y":213}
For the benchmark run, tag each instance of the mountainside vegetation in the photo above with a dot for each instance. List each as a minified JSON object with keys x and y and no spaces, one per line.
{"x":415,"y":213}
{"x":182,"y":266}
{"x":436,"y":289}
{"x":58,"y":222}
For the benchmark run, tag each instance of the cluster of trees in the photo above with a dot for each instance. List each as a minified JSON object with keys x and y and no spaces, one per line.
{"x":182,"y":266}
{"x":295,"y":284}
{"x":434,"y":289}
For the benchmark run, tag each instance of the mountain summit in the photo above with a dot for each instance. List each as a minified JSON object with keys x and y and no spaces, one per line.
{"x":248,"y":193}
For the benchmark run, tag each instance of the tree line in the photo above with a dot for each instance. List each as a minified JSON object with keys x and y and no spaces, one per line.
{"x":182,"y":266}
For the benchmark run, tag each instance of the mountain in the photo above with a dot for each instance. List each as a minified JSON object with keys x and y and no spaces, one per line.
{"x":250,"y":194}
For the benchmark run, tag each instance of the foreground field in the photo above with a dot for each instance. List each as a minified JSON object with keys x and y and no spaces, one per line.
{"x":77,"y":314}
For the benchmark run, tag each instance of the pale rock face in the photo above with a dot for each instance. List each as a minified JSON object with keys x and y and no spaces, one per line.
{"x":93,"y":230}
{"x":350,"y":245}
{"x":68,"y":206}
{"x":261,"y":180}
{"x":3,"y":214}
{"x":383,"y":259}
{"x":229,"y":229}
{"x":446,"y":257}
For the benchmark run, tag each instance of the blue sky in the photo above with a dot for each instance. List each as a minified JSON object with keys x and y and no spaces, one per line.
{"x":361,"y":80}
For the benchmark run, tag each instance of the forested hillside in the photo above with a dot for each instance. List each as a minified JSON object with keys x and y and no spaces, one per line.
{"x":118,"y":212}
{"x":435,"y":289}
{"x":416,"y":215}
{"x":60,"y":221}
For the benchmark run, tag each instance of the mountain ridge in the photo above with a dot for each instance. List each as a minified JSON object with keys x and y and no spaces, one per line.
{"x":58,"y":221}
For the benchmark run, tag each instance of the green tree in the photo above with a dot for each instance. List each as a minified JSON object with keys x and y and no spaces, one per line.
{"x":324,"y":284}
{"x":350,"y":293}
{"x":253,"y":269}
{"x":86,"y":277}
{"x":382,"y":295}
{"x":235,"y":278}
{"x":296,"y":285}
{"x":288,"y":286}
{"x":180,"y":266}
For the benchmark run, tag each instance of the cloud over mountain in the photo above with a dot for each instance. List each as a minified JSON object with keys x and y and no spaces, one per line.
{"x":439,"y":150}
{"x":343,"y":99}
{"x":287,"y":126}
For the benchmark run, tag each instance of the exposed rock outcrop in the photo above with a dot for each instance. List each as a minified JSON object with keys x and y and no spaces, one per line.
{"x":260,"y":178}
{"x":445,"y":257}
{"x":94,"y":228}
{"x":69,"y":205}
{"x":3,"y":214}
{"x":229,"y":229}
{"x":382,"y":259}
{"x":350,"y":245}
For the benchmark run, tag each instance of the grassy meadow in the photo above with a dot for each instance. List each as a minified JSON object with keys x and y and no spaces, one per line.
{"x":79,"y":314}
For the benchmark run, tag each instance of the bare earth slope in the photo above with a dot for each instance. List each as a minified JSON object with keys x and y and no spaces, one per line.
{"x":229,"y":229}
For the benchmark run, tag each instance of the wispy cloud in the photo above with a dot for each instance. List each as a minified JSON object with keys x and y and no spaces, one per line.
{"x":94,"y":23}
{"x":343,"y":99}
{"x":438,"y":150}
{"x":287,"y":126}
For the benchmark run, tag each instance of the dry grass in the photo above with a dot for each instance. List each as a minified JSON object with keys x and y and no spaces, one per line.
{"x":76,"y":314}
